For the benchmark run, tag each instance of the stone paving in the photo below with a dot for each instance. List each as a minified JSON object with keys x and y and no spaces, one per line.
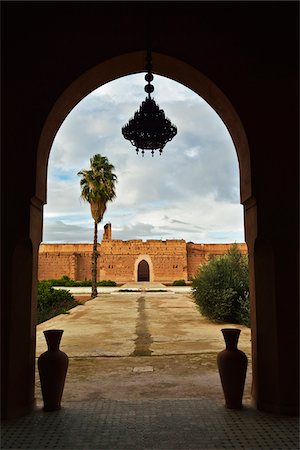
{"x":143,"y":376}
{"x":110,"y":325}
{"x":180,"y":424}
{"x":108,"y":337}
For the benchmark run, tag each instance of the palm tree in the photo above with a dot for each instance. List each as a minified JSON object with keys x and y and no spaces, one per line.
{"x":97,"y":188}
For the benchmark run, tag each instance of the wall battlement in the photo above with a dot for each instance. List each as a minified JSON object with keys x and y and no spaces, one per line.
{"x":120,"y":261}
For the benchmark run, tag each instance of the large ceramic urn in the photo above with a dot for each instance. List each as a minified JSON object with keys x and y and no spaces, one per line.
{"x":53,"y":366}
{"x":232,"y":365}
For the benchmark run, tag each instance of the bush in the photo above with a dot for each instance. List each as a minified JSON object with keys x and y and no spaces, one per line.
{"x":51,"y":302}
{"x":221,"y":288}
{"x":243,"y":315}
{"x":106,"y":283}
{"x":179,"y":283}
{"x":68,"y":282}
{"x":63,"y":281}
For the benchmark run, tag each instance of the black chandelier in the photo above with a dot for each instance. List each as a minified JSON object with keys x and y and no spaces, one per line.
{"x":149,"y":129}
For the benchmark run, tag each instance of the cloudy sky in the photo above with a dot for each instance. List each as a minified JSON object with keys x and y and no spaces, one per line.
{"x":191,"y":192}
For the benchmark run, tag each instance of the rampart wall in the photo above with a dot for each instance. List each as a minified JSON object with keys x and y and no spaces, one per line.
{"x":198,"y":254}
{"x":119,"y":260}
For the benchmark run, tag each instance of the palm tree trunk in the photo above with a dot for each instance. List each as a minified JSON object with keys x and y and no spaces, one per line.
{"x":94,"y":262}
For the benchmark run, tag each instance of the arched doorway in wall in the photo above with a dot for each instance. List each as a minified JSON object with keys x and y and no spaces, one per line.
{"x":143,"y":271}
{"x":134,"y":63}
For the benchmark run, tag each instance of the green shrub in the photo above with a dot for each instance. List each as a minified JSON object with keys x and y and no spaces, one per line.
{"x":106,"y":283}
{"x":63,"y":281}
{"x":51,"y":302}
{"x":243,"y":315}
{"x":84,"y":283}
{"x":221,"y":288}
{"x":68,"y":282}
{"x":179,"y":283}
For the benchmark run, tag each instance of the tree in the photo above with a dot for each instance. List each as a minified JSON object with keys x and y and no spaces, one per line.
{"x":97,"y":188}
{"x":221,"y":288}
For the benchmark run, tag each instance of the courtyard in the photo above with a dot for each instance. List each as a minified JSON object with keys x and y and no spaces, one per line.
{"x":149,"y":344}
{"x":142,"y":375}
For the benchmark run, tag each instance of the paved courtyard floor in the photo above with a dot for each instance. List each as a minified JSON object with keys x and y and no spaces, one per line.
{"x":142,"y":375}
{"x":148,"y":345}
{"x":174,"y":424}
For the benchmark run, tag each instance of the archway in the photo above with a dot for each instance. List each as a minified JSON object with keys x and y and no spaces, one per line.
{"x":143,"y":271}
{"x":134,"y":63}
{"x":244,"y":66}
{"x":182,"y":73}
{"x":146,"y":268}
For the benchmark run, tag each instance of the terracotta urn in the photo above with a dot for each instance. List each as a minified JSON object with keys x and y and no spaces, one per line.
{"x":232,"y":365}
{"x":53,"y":366}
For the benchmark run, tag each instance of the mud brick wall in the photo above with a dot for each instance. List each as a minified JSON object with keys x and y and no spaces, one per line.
{"x":118,"y":261}
{"x":84,"y":261}
{"x":56,"y":260}
{"x":56,"y":264}
{"x":198,"y":254}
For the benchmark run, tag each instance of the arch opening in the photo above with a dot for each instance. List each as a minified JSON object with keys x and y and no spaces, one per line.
{"x":168,"y":67}
{"x":134,"y":63}
{"x":143,"y":271}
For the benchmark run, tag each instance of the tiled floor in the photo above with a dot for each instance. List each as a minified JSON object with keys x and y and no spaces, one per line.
{"x":151,"y":424}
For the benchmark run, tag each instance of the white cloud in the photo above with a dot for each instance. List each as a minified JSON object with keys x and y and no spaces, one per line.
{"x":60,"y":232}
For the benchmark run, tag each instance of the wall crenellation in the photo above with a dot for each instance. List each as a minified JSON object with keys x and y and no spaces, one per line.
{"x":119,"y":260}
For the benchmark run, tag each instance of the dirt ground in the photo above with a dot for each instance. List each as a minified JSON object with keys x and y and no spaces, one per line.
{"x":154,"y":377}
{"x":146,"y":346}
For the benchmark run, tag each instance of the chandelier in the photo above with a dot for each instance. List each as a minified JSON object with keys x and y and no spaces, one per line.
{"x":149,"y":129}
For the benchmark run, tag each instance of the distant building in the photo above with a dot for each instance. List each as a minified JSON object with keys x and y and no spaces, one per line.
{"x":125,"y":261}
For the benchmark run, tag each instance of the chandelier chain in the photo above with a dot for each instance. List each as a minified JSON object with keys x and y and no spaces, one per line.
{"x":149,"y":129}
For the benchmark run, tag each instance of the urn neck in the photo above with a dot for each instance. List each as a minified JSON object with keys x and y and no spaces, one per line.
{"x":53,"y":338}
{"x":231,"y":337}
